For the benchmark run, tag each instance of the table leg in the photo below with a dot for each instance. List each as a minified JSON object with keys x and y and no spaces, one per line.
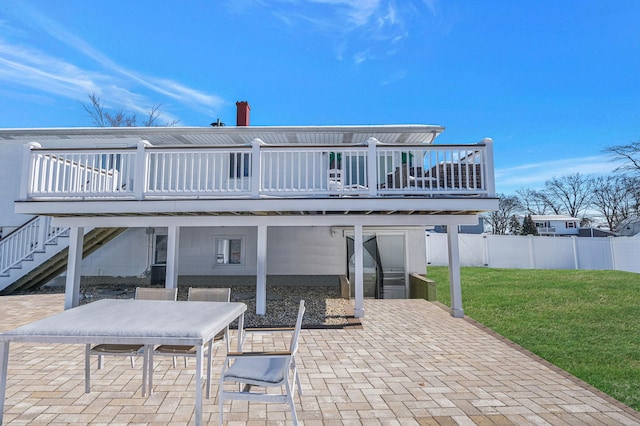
{"x":87,"y":368}
{"x":209,"y":356}
{"x":198,"y":419}
{"x":240,"y":332}
{"x":4,"y":362}
{"x":150,"y":361}
{"x":146,"y":370}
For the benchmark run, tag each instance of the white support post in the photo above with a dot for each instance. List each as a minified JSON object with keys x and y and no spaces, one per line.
{"x":358,"y":253}
{"x":576,"y":258}
{"x":261,"y":271}
{"x":256,"y":168}
{"x":455,"y":285}
{"x":490,"y":184}
{"x":173,"y":244}
{"x":140,"y":180}
{"x":4,"y":363}
{"x":74,"y":268}
{"x":27,"y":172}
{"x":372,"y":166}
{"x":43,"y":227}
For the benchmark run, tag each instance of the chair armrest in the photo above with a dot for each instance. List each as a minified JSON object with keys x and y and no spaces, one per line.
{"x":266,"y":353}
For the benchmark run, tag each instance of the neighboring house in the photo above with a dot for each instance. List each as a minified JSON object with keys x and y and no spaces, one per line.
{"x":629,"y":227}
{"x":595,"y":232}
{"x":463,"y":229}
{"x":556,"y":225}
{"x":239,"y":204}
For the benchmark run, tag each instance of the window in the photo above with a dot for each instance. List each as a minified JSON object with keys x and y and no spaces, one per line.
{"x":238,"y":165}
{"x":570,"y":224}
{"x":229,"y":251}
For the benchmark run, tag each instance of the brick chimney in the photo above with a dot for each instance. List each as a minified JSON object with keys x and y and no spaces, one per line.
{"x":243,"y":113}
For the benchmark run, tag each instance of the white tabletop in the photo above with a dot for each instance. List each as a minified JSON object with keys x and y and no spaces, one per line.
{"x":124,"y":320}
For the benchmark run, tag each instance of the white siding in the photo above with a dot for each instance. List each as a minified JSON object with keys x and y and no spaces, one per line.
{"x":124,"y":256}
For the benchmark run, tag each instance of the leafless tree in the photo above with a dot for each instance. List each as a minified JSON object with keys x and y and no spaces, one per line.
{"x":499,"y":221}
{"x":101,"y":117}
{"x":570,"y":194}
{"x":534,"y":202}
{"x":615,"y":197}
{"x":628,"y":155}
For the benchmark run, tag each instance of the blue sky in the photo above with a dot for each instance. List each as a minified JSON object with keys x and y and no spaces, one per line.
{"x":552,"y":82}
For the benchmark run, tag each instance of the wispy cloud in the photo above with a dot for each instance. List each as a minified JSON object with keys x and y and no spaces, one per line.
{"x":116,"y":85}
{"x":534,"y":175}
{"x":361,"y":30}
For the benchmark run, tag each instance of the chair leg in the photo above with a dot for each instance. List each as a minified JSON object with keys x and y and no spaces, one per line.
{"x":220,"y":391}
{"x":100,"y":362}
{"x":291,"y":403}
{"x":133,"y":361}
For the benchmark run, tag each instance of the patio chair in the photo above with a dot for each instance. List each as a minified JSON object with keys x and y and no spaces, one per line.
{"x":130,"y":350}
{"x":196,"y":295}
{"x":263,"y":369}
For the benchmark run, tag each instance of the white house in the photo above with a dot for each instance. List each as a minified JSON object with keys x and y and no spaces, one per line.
{"x":556,"y":225}
{"x":246,"y":203}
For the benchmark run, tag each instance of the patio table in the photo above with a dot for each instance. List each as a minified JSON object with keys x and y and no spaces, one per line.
{"x":130,"y":321}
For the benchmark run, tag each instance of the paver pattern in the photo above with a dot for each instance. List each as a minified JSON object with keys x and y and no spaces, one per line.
{"x":410,"y":363}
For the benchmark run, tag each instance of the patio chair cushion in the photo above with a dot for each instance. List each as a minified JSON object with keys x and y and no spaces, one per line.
{"x":257,"y":370}
{"x":118,"y":349}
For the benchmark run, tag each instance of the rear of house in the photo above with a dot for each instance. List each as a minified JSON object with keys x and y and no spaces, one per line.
{"x":243,"y":204}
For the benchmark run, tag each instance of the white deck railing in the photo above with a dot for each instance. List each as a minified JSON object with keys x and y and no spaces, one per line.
{"x":258,"y":170}
{"x":25,"y":241}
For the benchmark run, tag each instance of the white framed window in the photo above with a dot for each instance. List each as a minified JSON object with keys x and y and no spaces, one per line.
{"x":229,"y":251}
{"x":570,"y":225}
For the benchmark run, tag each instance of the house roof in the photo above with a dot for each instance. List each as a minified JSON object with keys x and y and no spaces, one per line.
{"x":277,"y":135}
{"x":552,"y":217}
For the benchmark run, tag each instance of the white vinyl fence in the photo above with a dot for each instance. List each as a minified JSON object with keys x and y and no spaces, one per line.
{"x":529,"y":252}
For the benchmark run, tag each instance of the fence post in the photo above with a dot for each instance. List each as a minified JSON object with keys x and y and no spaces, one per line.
{"x":140,"y":176}
{"x":256,"y":168}
{"x":576,"y":260}
{"x":613,"y":253}
{"x":372,"y":166}
{"x":27,"y":175}
{"x":485,"y":253}
{"x":532,"y":260}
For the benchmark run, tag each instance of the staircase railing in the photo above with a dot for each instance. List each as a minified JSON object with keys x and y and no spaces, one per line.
{"x":28,"y":239}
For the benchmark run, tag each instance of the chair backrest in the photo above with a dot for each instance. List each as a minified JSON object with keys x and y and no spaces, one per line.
{"x":148,"y":293}
{"x":296,"y":331}
{"x":209,"y":294}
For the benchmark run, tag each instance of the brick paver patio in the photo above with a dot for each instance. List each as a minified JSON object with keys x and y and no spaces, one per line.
{"x":410,"y":363}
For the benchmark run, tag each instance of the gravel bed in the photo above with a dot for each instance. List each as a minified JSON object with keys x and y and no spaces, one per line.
{"x":324,"y":306}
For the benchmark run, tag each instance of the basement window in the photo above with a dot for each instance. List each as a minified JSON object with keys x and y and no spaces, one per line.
{"x":229,"y":251}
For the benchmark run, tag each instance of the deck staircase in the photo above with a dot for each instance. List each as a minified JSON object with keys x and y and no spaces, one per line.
{"x":36,"y":253}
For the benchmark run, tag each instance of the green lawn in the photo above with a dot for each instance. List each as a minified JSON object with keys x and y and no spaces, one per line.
{"x":585,"y":322}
